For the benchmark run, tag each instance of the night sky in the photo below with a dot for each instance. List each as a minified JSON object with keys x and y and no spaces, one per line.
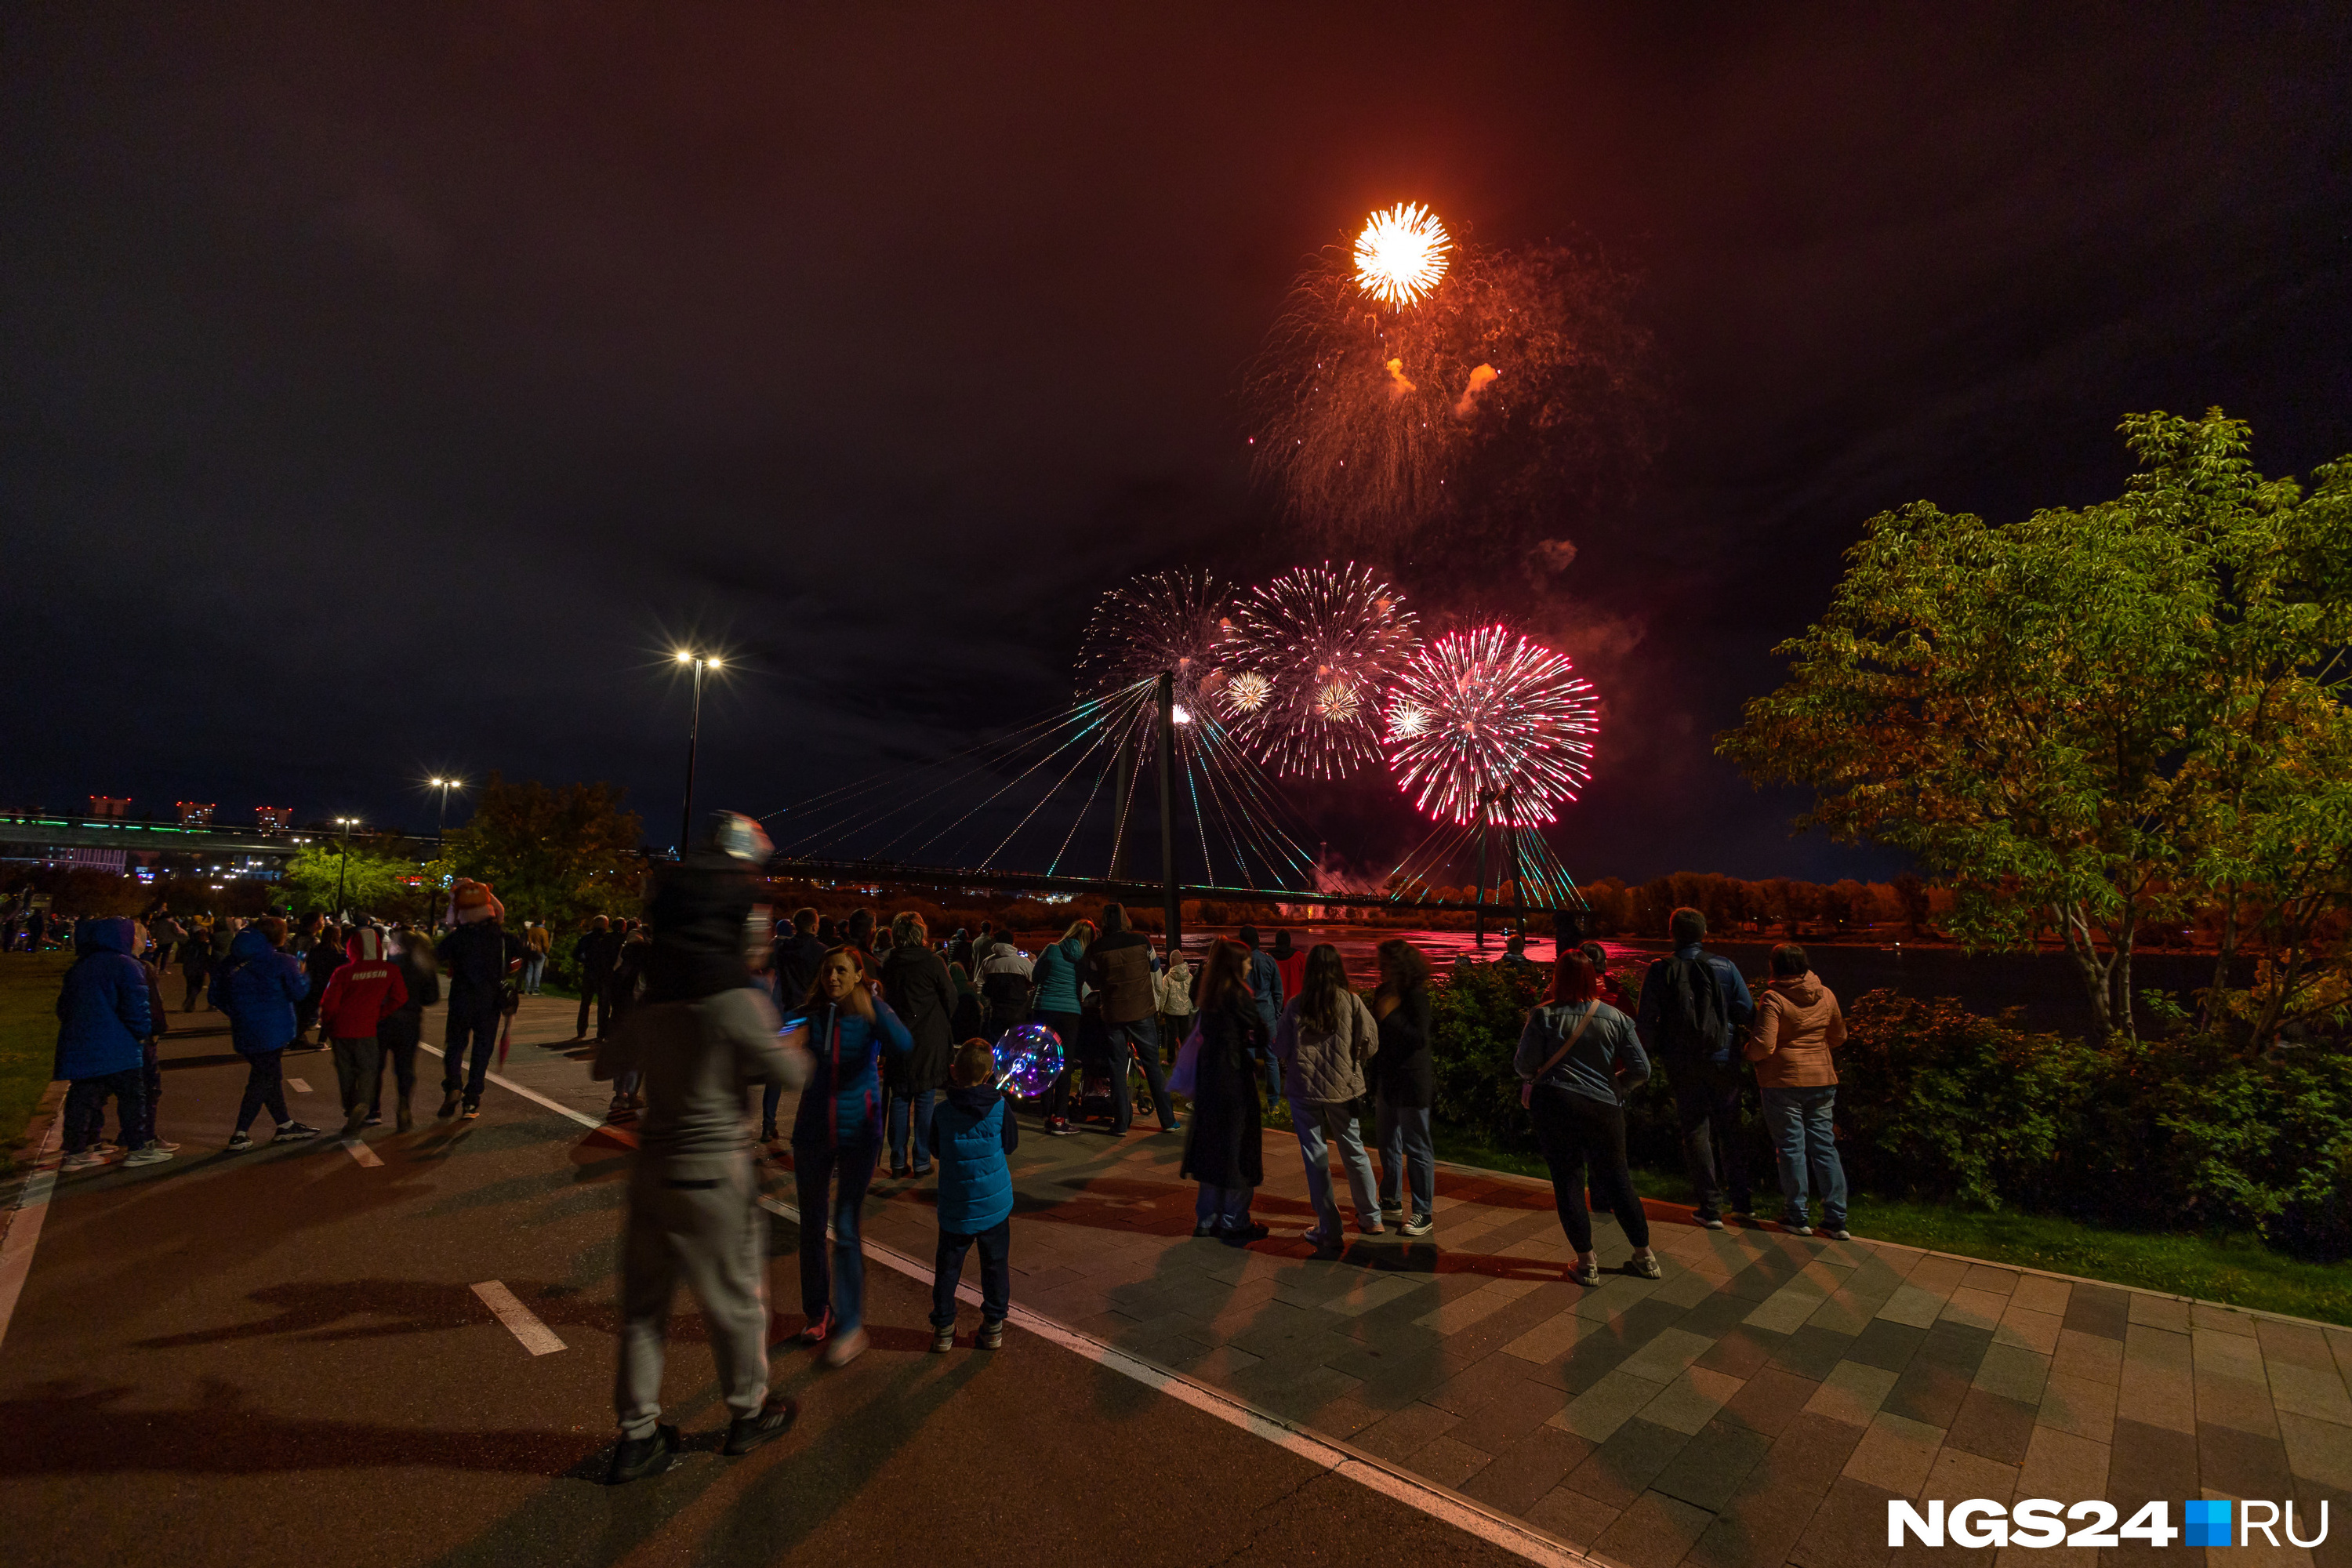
{"x":384,"y":391}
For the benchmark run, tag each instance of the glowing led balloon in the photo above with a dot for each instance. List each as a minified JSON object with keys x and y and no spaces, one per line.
{"x":1328,"y":640}
{"x":1400,"y":255}
{"x":1489,"y":714}
{"x":1029,"y":1058}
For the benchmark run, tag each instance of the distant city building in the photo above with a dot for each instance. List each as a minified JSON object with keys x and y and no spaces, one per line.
{"x":273,"y":818}
{"x":114,"y":808}
{"x":192,"y":814}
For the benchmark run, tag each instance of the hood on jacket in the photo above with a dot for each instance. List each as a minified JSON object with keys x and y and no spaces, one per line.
{"x":975,"y":1099}
{"x":1804,"y":990}
{"x":251,"y":942}
{"x":115,"y":935}
{"x":366,"y":946}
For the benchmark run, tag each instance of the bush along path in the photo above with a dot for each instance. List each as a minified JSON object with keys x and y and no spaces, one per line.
{"x":2136,"y":1160}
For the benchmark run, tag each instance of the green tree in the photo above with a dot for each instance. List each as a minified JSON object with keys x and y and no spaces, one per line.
{"x":2087,"y":719}
{"x":557,"y":855}
{"x":379,"y":876}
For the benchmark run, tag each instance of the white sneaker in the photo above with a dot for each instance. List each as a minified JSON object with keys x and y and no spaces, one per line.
{"x":165,"y":1145}
{"x":152,"y":1154}
{"x":87,"y":1160}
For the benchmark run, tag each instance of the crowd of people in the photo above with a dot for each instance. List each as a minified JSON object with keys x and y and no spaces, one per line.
{"x":702,"y":1014}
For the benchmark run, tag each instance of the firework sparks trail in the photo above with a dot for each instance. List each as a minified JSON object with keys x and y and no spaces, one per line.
{"x":1488,"y":714}
{"x":1400,"y":254}
{"x":1326,"y":640}
{"x":1180,"y":621}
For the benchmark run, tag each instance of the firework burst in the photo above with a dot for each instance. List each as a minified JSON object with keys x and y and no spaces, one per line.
{"x":1400,"y":254}
{"x":1326,"y":640}
{"x":1521,"y":388}
{"x":1158,"y":621}
{"x":1486,"y":714}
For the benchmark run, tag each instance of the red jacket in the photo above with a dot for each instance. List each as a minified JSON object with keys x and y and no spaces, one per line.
{"x":364,"y":992}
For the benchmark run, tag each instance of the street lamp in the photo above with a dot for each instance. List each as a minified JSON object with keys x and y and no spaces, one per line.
{"x":693,"y":731}
{"x":343,"y":854}
{"x":441,"y":834}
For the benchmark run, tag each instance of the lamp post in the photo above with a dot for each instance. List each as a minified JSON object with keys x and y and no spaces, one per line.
{"x":342,"y":860}
{"x":693,"y":731}
{"x":441,"y":833}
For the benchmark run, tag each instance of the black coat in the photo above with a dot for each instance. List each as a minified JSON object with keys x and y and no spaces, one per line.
{"x":1402,"y":1073}
{"x":698,"y":911}
{"x":1224,"y":1140}
{"x":798,"y":958}
{"x":917,"y":985}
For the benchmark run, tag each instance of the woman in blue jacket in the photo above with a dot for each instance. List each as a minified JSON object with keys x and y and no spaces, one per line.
{"x":257,"y":988}
{"x":103,"y":1014}
{"x":838,"y":1129}
{"x":1056,"y":975}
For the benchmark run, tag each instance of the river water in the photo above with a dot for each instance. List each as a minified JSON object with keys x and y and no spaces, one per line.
{"x":2044,"y":984}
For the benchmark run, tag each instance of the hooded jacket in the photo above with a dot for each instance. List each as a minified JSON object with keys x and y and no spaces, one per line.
{"x":364,"y":992}
{"x":972,"y":1134}
{"x":1797,"y":1024}
{"x":102,"y":1013}
{"x":1320,"y":1069}
{"x":258,"y":989}
{"x":842,"y":1106}
{"x":923,"y":993}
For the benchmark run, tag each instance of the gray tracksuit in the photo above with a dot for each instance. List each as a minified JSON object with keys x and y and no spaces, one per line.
{"x":693,"y":1210}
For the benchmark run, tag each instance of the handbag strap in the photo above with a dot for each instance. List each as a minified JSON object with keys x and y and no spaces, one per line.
{"x":1561,"y":1055}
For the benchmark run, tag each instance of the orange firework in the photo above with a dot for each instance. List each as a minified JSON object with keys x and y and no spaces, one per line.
{"x":1400,"y":255}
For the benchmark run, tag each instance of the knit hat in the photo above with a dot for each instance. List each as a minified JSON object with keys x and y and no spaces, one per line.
{"x":470,"y":901}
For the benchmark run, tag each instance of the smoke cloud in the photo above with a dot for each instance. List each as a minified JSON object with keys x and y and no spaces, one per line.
{"x":1398,"y":386}
{"x":1479,"y":378}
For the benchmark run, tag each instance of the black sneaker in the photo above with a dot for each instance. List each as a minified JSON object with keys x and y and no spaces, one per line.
{"x":448,"y":1106}
{"x":1243,"y":1235}
{"x":991,"y":1336}
{"x":746,"y":1432}
{"x":640,"y":1457}
{"x":1419,"y":1224}
{"x":473,"y":1110}
{"x":239,"y":1143}
{"x":1059,"y":1127}
{"x":294,"y":1132}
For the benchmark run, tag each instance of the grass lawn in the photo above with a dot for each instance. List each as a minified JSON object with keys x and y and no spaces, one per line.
{"x":29,"y":1040}
{"x":2237,"y":1270}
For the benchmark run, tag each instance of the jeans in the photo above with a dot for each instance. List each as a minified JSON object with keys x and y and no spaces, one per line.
{"x":1706,"y":1103}
{"x":843,"y":1288}
{"x":395,"y":1040}
{"x":153,"y":1070}
{"x":359,"y":1069}
{"x":595,"y":991}
{"x":1319,"y":1127}
{"x":85,"y":1113}
{"x":195,"y":977}
{"x":1804,"y":1142}
{"x":1407,"y":1152}
{"x":1141,"y":1038}
{"x":477,"y":1026}
{"x":532,"y":968}
{"x":915,"y":1108}
{"x":264,"y":1089}
{"x":1573,"y":1130}
{"x":995,"y":1273}
{"x":770,"y":1099}
{"x":1223,"y":1208}
{"x":1058,"y":1098}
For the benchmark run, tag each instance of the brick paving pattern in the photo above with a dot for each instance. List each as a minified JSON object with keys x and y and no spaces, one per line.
{"x":1759,"y":1404}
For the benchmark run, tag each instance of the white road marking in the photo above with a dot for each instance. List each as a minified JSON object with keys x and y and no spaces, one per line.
{"x":24,"y":1232}
{"x":1354,"y":1464}
{"x":362,"y":1152}
{"x":536,"y":1337}
{"x":297,"y":1085}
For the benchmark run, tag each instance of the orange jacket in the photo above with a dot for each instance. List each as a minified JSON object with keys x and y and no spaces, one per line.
{"x":1797,"y":1024}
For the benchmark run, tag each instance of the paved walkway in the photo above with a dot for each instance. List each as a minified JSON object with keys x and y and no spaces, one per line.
{"x":1761,"y":1404}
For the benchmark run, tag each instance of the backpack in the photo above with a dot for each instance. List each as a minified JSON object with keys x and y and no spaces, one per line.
{"x":1691,"y":1021}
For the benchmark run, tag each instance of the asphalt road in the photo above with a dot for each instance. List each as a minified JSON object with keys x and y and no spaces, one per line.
{"x":280,"y":1356}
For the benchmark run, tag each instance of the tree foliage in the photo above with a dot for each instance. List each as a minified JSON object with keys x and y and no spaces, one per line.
{"x":556,"y":855}
{"x":2096,"y":717}
{"x":379,"y":877}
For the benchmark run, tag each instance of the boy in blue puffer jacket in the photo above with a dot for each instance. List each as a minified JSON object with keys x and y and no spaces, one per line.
{"x":103,"y":1022}
{"x":258,"y":989}
{"x":971,"y":1134}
